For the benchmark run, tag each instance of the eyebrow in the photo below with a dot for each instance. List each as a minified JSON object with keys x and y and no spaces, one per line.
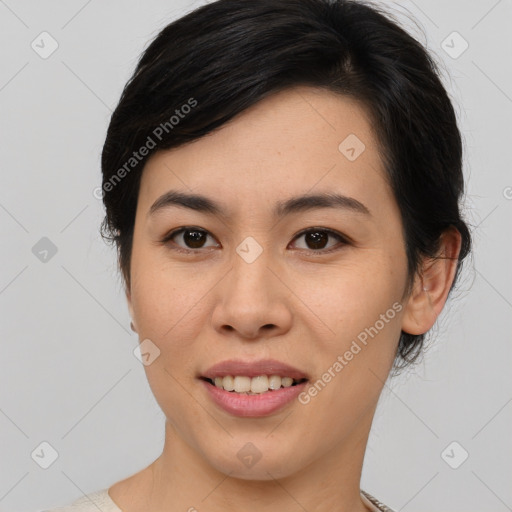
{"x":295,"y":204}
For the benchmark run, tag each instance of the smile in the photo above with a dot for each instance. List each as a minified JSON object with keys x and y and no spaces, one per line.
{"x":254,"y":385}
{"x":248,"y":404}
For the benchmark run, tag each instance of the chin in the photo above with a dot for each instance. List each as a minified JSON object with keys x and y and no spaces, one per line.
{"x":261,"y":472}
{"x":261,"y":461}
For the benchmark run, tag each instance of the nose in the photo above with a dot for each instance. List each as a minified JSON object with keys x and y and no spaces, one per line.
{"x":251,"y":302}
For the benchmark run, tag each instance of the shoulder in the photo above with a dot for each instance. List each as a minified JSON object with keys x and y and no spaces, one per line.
{"x":90,"y":503}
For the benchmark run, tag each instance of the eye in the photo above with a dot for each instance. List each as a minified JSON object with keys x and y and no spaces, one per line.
{"x":317,"y":239}
{"x":189,"y":238}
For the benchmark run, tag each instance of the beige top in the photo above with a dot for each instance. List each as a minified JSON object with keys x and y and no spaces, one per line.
{"x":101,"y":500}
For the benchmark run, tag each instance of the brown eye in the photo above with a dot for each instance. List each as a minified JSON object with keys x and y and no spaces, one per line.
{"x":319,"y":239}
{"x":194,"y":239}
{"x":316,"y":239}
{"x":190,"y":238}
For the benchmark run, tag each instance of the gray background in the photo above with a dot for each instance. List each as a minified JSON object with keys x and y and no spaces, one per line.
{"x":68,"y":374}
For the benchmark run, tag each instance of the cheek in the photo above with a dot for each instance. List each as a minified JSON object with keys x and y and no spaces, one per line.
{"x":362,"y":308}
{"x":346,"y":299}
{"x":169,"y":312}
{"x":167,"y":300}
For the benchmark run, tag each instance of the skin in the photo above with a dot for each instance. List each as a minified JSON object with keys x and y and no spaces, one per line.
{"x":294,"y":303}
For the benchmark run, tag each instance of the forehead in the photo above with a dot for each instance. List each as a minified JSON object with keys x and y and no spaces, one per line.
{"x":294,"y":141}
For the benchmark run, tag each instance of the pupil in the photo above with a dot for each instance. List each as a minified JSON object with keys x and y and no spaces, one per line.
{"x":316,"y":239}
{"x":194,"y":239}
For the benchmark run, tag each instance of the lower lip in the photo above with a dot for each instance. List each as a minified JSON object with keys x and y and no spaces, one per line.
{"x":253,"y":406}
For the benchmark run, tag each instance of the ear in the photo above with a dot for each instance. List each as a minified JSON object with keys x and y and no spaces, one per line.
{"x":130,"y":306}
{"x":432,"y":284}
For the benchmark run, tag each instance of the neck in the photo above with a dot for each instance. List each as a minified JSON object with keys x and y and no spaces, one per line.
{"x":181,"y":480}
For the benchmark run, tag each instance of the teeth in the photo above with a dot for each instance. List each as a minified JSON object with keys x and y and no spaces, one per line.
{"x":259,"y":384}
{"x":286,"y":382}
{"x":274,"y":382}
{"x":228,"y":383}
{"x":242,"y":384}
{"x":254,"y":386}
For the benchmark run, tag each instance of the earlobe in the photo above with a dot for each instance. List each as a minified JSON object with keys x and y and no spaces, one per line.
{"x":431,"y":285}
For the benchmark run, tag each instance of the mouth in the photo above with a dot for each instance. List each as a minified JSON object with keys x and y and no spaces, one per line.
{"x":253,"y":388}
{"x":243,"y":384}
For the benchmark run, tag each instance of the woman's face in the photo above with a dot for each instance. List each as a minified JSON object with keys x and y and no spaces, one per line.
{"x":314,"y":284}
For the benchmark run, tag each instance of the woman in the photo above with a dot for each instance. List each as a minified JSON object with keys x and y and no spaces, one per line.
{"x":281,"y":180}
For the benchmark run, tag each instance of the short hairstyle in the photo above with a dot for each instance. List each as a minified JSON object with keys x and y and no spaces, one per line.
{"x":218,"y":60}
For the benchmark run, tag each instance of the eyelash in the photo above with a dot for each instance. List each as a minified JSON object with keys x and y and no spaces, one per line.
{"x":343,"y":240}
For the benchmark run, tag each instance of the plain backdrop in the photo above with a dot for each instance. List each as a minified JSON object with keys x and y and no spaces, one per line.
{"x":68,"y":375}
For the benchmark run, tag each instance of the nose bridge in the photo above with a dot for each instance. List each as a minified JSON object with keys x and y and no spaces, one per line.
{"x":250,"y":278}
{"x":251,"y":297}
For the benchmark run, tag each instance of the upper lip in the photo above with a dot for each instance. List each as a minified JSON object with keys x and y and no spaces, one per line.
{"x":236,"y":367}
